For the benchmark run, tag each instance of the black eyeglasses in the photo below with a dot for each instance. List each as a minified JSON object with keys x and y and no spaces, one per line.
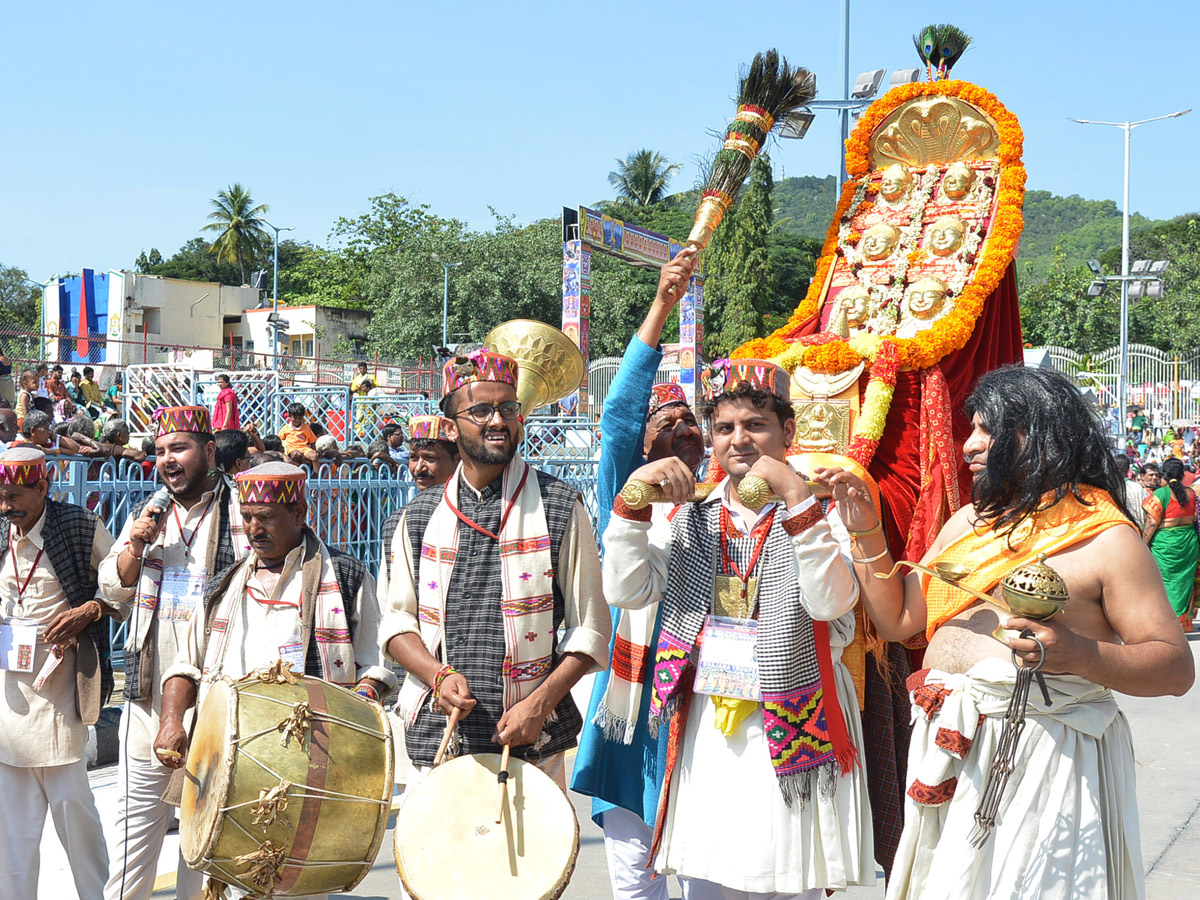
{"x":481,"y":413}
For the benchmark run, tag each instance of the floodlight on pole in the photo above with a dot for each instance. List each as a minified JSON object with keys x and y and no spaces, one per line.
{"x":1159,"y":266}
{"x":1122,"y":379}
{"x":1139,"y":267}
{"x":1096,"y":288}
{"x":1094,"y":265}
{"x":905,"y":76}
{"x":275,"y":294}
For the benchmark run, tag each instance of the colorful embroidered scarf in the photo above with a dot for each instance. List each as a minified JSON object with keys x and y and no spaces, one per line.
{"x":990,"y":555}
{"x":802,"y":718}
{"x":526,"y":590}
{"x":319,"y":592}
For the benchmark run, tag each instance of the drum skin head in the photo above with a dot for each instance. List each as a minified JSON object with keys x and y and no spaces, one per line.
{"x":209,"y":764}
{"x":449,"y":847}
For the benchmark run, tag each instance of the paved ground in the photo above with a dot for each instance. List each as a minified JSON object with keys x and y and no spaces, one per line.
{"x":1166,"y":741}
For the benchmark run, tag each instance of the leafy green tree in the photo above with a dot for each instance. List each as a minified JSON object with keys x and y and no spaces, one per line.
{"x":642,"y":177}
{"x":20,"y":301}
{"x":1170,"y":321}
{"x":195,"y":261}
{"x":239,"y":226}
{"x":1059,"y":311}
{"x":741,"y":274}
{"x":147,"y":261}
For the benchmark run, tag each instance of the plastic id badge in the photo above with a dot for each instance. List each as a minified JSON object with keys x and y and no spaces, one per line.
{"x":728,"y":664}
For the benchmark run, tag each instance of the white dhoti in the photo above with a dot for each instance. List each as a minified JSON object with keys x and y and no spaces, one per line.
{"x":1067,"y":825}
{"x":727,"y":822}
{"x":138,"y":833}
{"x":25,"y":795}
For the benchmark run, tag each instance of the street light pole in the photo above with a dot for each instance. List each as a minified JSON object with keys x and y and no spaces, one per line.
{"x":446,"y":298}
{"x":275,"y":294}
{"x":1123,"y":370}
{"x":843,"y":175}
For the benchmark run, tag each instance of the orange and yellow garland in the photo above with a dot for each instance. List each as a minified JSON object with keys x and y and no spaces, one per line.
{"x":829,"y":354}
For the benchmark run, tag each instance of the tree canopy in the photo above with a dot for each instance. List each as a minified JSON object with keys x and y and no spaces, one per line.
{"x":239,"y":226}
{"x":642,"y":177}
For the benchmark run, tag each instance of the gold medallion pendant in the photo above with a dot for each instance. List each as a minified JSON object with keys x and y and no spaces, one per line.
{"x":733,"y":599}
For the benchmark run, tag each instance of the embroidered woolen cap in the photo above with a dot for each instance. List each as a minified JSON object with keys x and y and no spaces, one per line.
{"x":478,"y":365}
{"x":193,"y":419}
{"x":429,"y":428}
{"x":665,"y":394}
{"x":726,"y":375}
{"x":275,"y":482}
{"x":22,"y":466}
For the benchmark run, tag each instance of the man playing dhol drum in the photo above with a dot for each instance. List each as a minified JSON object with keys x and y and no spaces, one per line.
{"x":164,"y":554}
{"x":494,"y":606}
{"x":1066,"y":824}
{"x":765,"y":793}
{"x":291,"y":599}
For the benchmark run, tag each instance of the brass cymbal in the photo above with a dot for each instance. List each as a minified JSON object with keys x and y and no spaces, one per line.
{"x":550,"y":365}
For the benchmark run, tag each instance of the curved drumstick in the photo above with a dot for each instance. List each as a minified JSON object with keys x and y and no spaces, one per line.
{"x":935,"y":574}
{"x":451,"y":723}
{"x":502,"y":778}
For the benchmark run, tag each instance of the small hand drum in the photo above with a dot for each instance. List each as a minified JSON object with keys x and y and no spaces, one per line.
{"x":450,"y":847}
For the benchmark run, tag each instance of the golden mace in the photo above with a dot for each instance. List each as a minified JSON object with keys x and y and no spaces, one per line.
{"x":753,"y":491}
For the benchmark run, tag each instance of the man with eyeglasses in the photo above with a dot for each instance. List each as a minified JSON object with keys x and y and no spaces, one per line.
{"x":494,"y":608}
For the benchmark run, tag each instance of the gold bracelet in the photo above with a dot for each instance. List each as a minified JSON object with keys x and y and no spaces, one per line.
{"x":871,"y":559}
{"x":874,"y":529}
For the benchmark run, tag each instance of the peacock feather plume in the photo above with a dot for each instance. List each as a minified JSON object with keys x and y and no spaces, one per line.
{"x":939,"y":47}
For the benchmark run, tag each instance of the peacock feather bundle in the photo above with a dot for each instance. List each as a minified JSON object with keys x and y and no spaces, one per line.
{"x":769,"y":91}
{"x":940,"y":47}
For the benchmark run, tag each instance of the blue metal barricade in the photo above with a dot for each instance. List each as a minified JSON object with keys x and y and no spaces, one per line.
{"x":372,"y":413}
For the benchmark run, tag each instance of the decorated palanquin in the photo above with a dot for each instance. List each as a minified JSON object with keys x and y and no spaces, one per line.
{"x":913,"y":299}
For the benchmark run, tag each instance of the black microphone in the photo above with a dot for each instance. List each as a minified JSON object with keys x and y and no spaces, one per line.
{"x":162,"y":500}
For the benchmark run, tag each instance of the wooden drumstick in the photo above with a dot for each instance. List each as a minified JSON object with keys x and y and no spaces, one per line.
{"x":451,"y":723}
{"x":502,"y":777}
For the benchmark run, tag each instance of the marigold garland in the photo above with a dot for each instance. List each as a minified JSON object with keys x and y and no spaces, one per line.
{"x":868,"y":429}
{"x":952,"y":331}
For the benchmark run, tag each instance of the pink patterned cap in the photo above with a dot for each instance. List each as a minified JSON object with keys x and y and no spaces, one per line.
{"x":429,"y":428}
{"x":22,"y":466}
{"x":726,"y":375}
{"x":664,"y":394}
{"x":275,"y":482}
{"x":478,"y":365}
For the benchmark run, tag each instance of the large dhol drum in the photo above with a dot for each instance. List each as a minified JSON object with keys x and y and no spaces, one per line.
{"x":450,"y":847}
{"x":289,"y":785}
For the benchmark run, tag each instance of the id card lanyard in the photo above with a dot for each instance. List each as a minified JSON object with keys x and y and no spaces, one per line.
{"x":759,"y":535}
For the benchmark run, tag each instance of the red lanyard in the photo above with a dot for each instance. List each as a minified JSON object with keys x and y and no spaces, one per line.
{"x":267,"y":601}
{"x":21,"y":586}
{"x":758,"y":532}
{"x":512,"y":501}
{"x":187,"y":541}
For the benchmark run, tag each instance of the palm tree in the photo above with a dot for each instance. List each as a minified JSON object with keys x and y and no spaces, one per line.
{"x":239,"y":222}
{"x":642,"y":177}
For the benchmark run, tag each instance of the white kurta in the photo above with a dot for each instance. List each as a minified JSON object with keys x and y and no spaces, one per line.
{"x":42,"y":728}
{"x":726,"y":820}
{"x":193,"y":528}
{"x":1067,"y":826}
{"x":264,"y":626}
{"x":42,"y":737}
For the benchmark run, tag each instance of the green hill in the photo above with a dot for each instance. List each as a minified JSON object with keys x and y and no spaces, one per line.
{"x":1086,"y":228}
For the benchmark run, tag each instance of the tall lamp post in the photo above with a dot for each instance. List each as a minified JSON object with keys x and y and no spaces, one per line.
{"x":1123,"y":371}
{"x":866,"y":87}
{"x":275,"y":296}
{"x":446,"y":266}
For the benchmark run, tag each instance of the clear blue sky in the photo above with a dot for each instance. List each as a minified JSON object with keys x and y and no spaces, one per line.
{"x":122,"y":120}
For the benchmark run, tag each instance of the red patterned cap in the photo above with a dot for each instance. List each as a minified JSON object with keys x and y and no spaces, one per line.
{"x":429,"y":428}
{"x":275,"y":482}
{"x":725,"y":375}
{"x":22,"y":466}
{"x":478,"y":365}
{"x":665,"y":394}
{"x":193,"y":419}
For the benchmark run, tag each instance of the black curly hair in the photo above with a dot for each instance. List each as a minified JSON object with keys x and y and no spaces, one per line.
{"x":1045,"y":437}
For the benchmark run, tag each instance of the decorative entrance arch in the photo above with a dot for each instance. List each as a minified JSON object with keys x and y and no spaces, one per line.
{"x":585,"y":230}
